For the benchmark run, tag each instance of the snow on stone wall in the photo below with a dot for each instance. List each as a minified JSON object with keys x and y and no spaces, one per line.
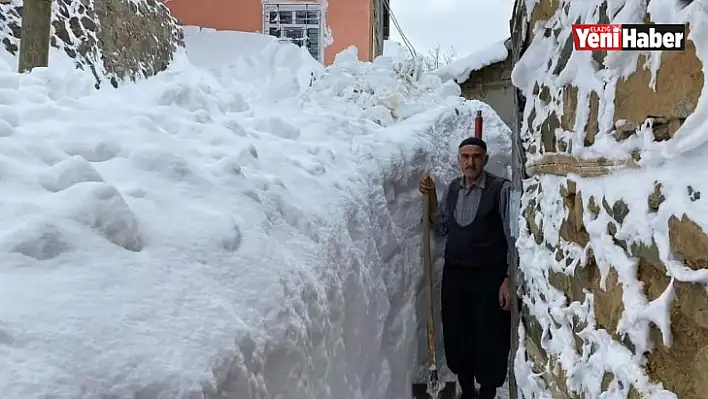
{"x":112,"y":39}
{"x":613,"y":241}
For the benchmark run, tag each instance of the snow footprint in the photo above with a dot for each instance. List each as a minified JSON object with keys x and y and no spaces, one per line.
{"x":314,"y":168}
{"x":277,"y":127}
{"x":41,"y":240}
{"x":166,"y":164}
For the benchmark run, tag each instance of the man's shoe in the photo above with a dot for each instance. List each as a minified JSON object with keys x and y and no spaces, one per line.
{"x":487,"y":393}
{"x":473,"y":395}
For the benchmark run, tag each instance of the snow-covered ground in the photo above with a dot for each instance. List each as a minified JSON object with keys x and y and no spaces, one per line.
{"x":243,"y":225}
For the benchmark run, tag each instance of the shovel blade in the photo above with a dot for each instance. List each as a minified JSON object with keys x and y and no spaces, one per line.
{"x":448,"y":392}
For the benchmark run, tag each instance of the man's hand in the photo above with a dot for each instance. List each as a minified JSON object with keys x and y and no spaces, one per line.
{"x":426,"y":186}
{"x":504,"y":295}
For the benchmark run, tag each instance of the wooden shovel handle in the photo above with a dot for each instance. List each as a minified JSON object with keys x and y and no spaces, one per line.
{"x":427,"y":264}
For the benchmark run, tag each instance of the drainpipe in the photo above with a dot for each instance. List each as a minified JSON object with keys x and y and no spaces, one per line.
{"x":478,"y":125}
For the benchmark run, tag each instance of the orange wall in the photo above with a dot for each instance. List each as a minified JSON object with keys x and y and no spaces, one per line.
{"x":350,"y":20}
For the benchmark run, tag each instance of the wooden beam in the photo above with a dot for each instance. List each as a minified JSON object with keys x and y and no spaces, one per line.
{"x":34,"y":35}
{"x":564,"y":164}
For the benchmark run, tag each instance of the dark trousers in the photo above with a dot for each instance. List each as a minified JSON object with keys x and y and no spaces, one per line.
{"x":476,"y":331}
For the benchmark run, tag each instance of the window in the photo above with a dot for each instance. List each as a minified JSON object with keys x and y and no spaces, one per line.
{"x":300,"y":24}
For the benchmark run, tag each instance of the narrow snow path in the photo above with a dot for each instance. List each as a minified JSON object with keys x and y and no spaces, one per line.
{"x":245,"y":230}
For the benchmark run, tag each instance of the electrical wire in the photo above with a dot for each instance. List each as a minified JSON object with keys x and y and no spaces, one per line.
{"x":406,"y":42}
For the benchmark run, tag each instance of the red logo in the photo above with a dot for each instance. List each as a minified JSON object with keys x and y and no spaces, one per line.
{"x":629,"y":37}
{"x":597,"y":37}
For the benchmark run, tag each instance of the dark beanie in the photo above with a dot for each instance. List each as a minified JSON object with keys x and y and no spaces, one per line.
{"x":474,"y":141}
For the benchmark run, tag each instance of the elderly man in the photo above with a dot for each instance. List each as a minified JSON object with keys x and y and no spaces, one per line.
{"x":475,"y":300}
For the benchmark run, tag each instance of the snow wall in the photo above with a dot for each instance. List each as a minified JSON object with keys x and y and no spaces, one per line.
{"x":613,"y":242}
{"x":249,"y":228}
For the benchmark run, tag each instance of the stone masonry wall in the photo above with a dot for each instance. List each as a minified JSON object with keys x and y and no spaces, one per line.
{"x":113,"y":39}
{"x":492,"y":85}
{"x":613,"y":245}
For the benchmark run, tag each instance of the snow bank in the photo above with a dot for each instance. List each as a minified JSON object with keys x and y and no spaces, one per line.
{"x":248,"y":230}
{"x":209,"y":47}
{"x":610,"y":258}
{"x":460,"y":70}
{"x":395,"y":50}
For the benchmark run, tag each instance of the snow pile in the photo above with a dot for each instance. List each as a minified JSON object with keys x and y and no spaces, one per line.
{"x":208,"y":47}
{"x":460,"y":70}
{"x":395,"y":50}
{"x":585,"y":353}
{"x":248,"y":229}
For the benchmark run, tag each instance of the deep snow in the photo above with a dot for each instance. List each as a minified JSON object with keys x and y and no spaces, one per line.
{"x":243,"y":225}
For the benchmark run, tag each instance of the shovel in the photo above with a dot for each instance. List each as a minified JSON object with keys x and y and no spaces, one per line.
{"x":434,"y":387}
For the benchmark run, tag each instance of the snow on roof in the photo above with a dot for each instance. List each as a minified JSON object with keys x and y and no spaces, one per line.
{"x":461,"y":69}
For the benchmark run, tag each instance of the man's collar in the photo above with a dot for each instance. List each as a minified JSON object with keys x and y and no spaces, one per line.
{"x":481,"y":179}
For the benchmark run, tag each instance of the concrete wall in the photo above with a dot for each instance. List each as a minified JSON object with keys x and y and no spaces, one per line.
{"x":614,"y":240}
{"x":492,"y":85}
{"x":350,"y":20}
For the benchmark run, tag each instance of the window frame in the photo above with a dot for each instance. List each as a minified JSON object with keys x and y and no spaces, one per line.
{"x":295,"y":7}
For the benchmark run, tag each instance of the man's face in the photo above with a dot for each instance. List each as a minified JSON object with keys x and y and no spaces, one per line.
{"x":471,"y":159}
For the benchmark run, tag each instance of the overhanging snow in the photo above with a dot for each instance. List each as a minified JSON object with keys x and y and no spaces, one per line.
{"x":460,"y":70}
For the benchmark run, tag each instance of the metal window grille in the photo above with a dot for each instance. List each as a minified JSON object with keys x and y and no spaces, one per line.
{"x":300,"y":24}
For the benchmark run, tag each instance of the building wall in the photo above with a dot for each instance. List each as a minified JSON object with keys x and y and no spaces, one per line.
{"x":602,"y":229}
{"x":350,"y":20}
{"x":379,"y":24}
{"x":492,"y":85}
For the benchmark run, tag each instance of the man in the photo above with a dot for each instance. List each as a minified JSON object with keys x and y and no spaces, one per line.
{"x":475,"y":298}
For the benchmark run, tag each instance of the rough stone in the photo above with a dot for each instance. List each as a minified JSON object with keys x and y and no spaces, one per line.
{"x":592,"y":128}
{"x":593,"y":208}
{"x":536,"y":230}
{"x":570,"y":109}
{"x":548,"y":132}
{"x":572,"y":228}
{"x":669,"y":364}
{"x":608,"y":305}
{"x":679,"y":82}
{"x":693,"y":195}
{"x":656,"y":198}
{"x":690,"y":241}
{"x":114,"y":39}
{"x":543,"y":11}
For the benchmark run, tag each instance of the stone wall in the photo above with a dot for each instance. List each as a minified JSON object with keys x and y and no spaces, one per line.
{"x":113,"y":39}
{"x":492,"y":85}
{"x":613,"y":245}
